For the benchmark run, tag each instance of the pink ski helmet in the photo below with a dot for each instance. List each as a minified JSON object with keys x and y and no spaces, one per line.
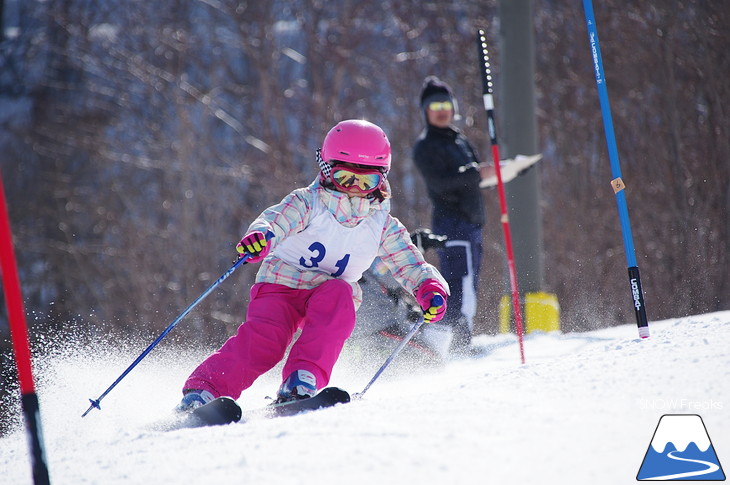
{"x":359,"y":142}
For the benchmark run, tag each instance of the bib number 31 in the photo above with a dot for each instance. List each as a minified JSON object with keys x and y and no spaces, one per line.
{"x":318,"y":253}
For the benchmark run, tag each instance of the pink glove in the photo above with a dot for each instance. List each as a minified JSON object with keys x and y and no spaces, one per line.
{"x":255,"y":245}
{"x":431,"y":296}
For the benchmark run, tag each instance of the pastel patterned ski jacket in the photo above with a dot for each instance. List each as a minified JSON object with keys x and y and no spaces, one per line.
{"x":298,"y":210}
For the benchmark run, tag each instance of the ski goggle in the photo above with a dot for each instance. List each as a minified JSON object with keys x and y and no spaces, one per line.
{"x":441,"y":105}
{"x":346,"y":178}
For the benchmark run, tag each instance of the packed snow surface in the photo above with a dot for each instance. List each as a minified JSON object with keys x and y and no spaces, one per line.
{"x":582,"y":409}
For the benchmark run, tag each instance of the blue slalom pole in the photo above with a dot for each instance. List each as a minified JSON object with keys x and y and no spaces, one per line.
{"x":637,"y":294}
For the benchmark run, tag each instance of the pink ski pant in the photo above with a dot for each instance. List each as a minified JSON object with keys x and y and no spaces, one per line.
{"x":325,"y":314}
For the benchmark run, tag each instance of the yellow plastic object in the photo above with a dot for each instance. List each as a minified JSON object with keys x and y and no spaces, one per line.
{"x":542,"y":313}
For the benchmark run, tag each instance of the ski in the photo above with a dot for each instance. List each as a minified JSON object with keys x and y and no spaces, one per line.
{"x":225,"y":410}
{"x":220,"y":411}
{"x":327,"y":397}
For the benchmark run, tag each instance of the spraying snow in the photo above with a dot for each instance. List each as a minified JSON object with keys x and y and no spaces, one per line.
{"x":583,"y":409}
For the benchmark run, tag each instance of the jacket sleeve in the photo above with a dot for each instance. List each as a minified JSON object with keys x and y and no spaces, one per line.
{"x":288,"y":217}
{"x":403,"y":259}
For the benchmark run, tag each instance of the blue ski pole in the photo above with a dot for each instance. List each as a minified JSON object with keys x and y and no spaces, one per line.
{"x":229,"y":272}
{"x":617,"y":183}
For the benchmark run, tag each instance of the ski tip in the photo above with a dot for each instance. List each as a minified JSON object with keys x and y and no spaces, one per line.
{"x":336,"y":394}
{"x":233,"y":408}
{"x":218,"y":412}
{"x":224,"y":409}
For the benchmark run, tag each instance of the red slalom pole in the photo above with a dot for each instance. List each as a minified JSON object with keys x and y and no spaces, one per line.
{"x":489,"y":106}
{"x":21,"y":347}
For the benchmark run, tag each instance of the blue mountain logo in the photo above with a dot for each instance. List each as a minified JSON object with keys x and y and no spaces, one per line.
{"x":681,"y":450}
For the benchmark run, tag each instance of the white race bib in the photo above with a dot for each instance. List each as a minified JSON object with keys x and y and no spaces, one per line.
{"x":327,"y":246}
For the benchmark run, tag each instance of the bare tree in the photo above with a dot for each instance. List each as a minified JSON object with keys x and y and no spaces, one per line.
{"x":145,"y":139}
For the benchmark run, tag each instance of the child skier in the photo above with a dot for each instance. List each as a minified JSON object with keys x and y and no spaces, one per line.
{"x":324,"y":237}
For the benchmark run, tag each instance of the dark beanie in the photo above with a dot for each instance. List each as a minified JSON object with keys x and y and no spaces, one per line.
{"x":435,"y":89}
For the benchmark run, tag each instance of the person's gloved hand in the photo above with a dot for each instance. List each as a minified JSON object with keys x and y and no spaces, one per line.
{"x":435,"y":309}
{"x":431,"y":296}
{"x":255,"y":245}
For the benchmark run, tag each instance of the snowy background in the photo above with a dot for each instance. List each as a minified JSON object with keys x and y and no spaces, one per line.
{"x":583,"y":409}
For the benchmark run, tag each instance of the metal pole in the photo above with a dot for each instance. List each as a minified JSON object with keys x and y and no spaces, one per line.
{"x":518,"y":128}
{"x":411,"y":333}
{"x":229,"y":272}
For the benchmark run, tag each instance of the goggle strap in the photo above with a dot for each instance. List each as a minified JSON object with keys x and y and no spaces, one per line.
{"x":325,"y":167}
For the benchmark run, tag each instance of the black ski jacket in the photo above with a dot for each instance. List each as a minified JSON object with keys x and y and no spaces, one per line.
{"x":450,"y":167}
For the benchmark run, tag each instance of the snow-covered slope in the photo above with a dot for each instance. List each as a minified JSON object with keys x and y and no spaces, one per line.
{"x":583,"y":409}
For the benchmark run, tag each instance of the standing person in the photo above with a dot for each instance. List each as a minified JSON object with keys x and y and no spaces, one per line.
{"x":324,"y":237}
{"x":450,"y":168}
